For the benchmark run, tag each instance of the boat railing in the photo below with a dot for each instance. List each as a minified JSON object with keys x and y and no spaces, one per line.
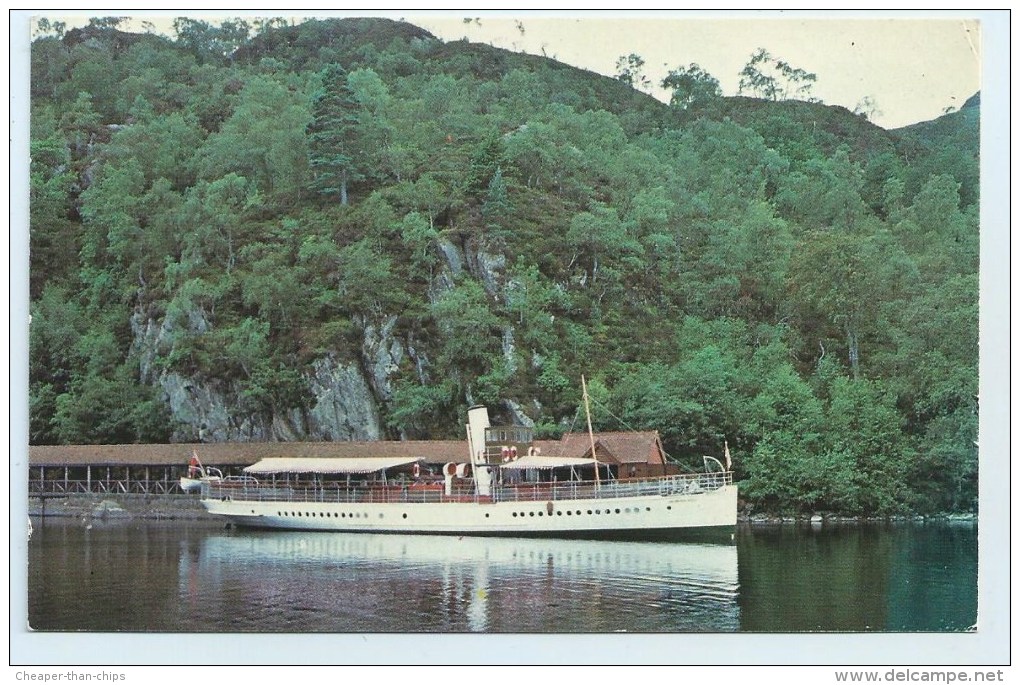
{"x":689,"y":484}
{"x":104,"y":487}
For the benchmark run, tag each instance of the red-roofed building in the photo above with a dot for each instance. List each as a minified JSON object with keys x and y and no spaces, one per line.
{"x":636,"y":454}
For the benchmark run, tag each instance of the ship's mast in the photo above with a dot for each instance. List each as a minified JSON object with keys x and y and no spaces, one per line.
{"x":591,"y":434}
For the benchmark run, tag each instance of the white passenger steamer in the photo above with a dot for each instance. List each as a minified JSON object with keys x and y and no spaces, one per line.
{"x":504,"y":488}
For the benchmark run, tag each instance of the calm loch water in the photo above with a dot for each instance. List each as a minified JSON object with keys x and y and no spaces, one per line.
{"x":188,"y":577}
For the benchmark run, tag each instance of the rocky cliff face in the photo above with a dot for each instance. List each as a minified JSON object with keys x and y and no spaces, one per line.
{"x":344,"y":402}
{"x":347,"y":389}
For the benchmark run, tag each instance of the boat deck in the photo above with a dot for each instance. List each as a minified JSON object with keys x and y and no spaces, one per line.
{"x":433,"y":491}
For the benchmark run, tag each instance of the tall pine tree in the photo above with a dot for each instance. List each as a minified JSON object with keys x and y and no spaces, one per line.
{"x":333,"y":135}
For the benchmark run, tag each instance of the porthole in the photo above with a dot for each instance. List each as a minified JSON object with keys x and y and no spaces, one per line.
{"x":569,"y":513}
{"x":626,"y":510}
{"x":598,"y":511}
{"x":486,"y":516}
{"x":531,"y":513}
{"x":514,"y":514}
{"x":617,"y":511}
{"x":648,"y":508}
{"x":405,"y":516}
{"x":668,"y":507}
{"x":578,"y":512}
{"x":589,"y":512}
{"x":559,"y":513}
{"x":380,"y":515}
{"x":540,"y":513}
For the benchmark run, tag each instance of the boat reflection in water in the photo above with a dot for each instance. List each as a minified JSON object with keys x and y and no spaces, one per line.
{"x":338,"y":582}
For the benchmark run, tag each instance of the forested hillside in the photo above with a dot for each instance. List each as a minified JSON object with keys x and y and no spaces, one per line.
{"x":349,"y":229}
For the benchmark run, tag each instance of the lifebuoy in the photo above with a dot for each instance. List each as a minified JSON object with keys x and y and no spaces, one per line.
{"x":416,"y":470}
{"x":450,"y":469}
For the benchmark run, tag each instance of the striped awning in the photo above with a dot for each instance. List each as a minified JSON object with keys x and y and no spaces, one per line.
{"x":541,"y":462}
{"x":327,"y":465}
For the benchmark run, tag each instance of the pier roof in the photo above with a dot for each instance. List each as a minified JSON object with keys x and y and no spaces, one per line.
{"x":241,"y":453}
{"x":617,"y":448}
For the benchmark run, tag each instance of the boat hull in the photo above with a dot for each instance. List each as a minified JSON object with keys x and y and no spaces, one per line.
{"x":709,"y":512}
{"x":191,"y":484}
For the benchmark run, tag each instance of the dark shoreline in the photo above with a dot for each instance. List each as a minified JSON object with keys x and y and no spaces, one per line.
{"x":188,"y":508}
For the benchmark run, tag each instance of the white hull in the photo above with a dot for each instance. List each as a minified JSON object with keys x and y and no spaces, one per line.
{"x":714,"y":509}
{"x":191,"y":484}
{"x":195,"y":484}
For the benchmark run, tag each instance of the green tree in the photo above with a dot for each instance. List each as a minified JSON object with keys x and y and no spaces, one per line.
{"x":843,"y":279}
{"x":865,"y":426}
{"x":603,"y":251}
{"x":164,"y":146}
{"x":263,"y":140}
{"x":81,"y":126}
{"x":335,"y":150}
{"x":52,"y":234}
{"x":469,"y":327}
{"x":691,"y":87}
{"x":775,"y":79}
{"x":485,"y":163}
{"x":787,"y":423}
{"x":209,"y":42}
{"x":630,"y":70}
{"x":217,"y":212}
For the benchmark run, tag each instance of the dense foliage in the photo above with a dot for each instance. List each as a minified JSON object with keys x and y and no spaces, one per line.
{"x":782,"y":275}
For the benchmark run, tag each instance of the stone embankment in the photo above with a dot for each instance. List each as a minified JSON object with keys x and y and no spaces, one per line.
{"x":111,"y":507}
{"x":763,"y":519}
